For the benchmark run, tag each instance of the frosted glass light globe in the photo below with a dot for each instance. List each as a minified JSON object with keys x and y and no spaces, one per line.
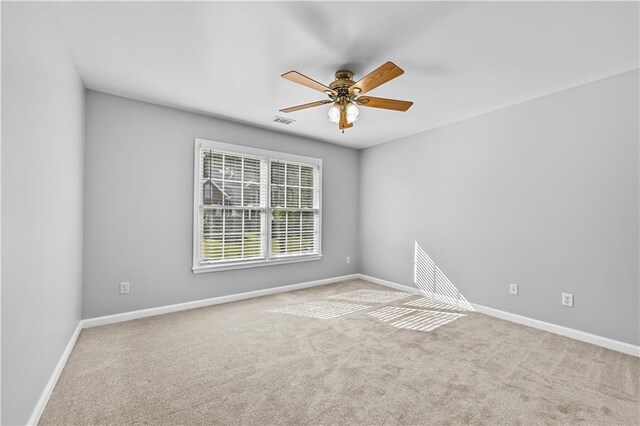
{"x":334,"y":113}
{"x":352,"y":113}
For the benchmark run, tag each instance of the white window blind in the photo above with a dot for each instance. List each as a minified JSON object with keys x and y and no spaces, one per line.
{"x":294,"y":208}
{"x":232,"y":216}
{"x":254,"y":207}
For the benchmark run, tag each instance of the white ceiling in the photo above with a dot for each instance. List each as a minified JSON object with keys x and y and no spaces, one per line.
{"x":460,"y":59}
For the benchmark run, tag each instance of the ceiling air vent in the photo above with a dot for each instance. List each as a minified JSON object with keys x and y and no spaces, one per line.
{"x":282,"y":120}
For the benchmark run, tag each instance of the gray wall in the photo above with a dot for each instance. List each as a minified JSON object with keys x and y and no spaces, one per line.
{"x":139,"y":204}
{"x":42,"y":166}
{"x":543,"y":194}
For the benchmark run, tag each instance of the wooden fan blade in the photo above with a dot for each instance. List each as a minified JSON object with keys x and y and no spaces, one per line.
{"x":296,"y":77}
{"x":344,"y":124}
{"x":305,"y":106}
{"x":370,"y":101}
{"x":379,"y":76}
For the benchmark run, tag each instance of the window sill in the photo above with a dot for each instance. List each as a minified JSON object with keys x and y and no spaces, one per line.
{"x":254,"y":264}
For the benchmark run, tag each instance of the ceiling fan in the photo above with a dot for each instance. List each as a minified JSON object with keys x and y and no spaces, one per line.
{"x":344,"y":93}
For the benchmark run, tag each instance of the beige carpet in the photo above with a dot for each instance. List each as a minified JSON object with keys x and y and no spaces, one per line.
{"x":239,"y":363}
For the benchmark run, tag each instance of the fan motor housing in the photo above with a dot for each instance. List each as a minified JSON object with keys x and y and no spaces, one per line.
{"x":344,"y":80}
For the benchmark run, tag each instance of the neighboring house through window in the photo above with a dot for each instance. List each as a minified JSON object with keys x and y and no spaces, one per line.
{"x":254,"y":207}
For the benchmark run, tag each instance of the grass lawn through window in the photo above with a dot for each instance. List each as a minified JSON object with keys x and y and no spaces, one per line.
{"x":233,"y":248}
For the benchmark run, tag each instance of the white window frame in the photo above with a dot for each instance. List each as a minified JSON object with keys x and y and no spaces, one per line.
{"x":268,"y":156}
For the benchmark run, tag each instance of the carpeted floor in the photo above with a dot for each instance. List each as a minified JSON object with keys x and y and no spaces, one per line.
{"x":240,"y":363}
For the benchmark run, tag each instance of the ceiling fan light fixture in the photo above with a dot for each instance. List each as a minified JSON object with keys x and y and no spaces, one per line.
{"x":352,"y":112}
{"x":334,"y":113}
{"x":345,"y":94}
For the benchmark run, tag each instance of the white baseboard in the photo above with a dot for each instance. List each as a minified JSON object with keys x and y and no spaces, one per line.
{"x":127,"y":316}
{"x":594,"y":339}
{"x":530,"y":322}
{"x":48,"y":389}
{"x":143,"y":313}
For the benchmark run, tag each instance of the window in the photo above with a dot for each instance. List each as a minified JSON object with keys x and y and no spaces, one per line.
{"x":254,"y":207}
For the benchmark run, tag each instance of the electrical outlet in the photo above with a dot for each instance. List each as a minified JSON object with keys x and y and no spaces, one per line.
{"x":513,"y":289}
{"x":567,"y":299}
{"x":124,"y":287}
{"x":348,"y":259}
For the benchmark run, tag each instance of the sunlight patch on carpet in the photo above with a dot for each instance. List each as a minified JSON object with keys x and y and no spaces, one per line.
{"x":414,"y":319}
{"x":426,"y":320}
{"x":433,"y":304}
{"x":320,"y":309}
{"x":389,"y":313}
{"x":372,"y":296}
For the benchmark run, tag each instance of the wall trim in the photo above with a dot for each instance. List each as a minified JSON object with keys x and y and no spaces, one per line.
{"x":572,"y":333}
{"x":143,"y":313}
{"x":53,"y":380}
